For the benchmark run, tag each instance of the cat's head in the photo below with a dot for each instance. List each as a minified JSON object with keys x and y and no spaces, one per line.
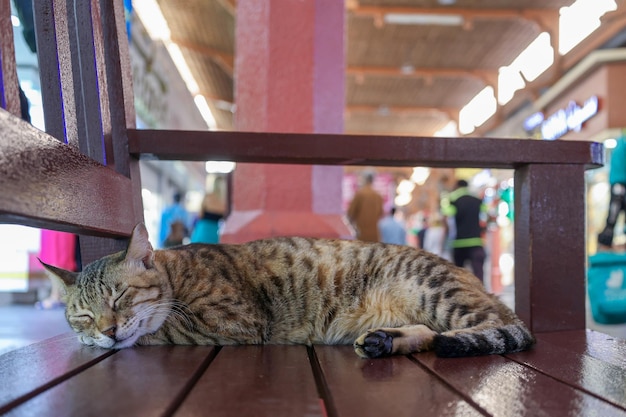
{"x":116,"y":299}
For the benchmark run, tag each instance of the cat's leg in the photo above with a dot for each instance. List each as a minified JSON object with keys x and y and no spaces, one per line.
{"x":394,"y":341}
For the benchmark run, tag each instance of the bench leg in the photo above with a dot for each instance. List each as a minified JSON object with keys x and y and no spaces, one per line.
{"x":550,"y":273}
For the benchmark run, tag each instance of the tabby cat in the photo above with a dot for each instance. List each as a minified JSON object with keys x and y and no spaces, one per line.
{"x":385,"y":299}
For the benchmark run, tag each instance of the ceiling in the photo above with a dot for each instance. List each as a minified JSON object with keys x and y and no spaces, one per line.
{"x":400,"y":79}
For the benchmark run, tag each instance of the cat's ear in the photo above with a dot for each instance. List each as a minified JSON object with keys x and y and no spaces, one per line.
{"x":64,"y":277}
{"x":139,"y":248}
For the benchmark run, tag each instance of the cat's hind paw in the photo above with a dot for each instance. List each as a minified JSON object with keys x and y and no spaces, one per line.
{"x":388,"y":341}
{"x":374,"y":344}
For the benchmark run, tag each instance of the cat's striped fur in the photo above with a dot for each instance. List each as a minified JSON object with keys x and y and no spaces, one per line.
{"x":385,"y":299}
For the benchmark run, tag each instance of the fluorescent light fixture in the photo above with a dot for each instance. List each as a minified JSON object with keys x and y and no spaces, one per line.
{"x":205,"y":111}
{"x":182,"y":67}
{"x":420,"y":175}
{"x":509,"y":81}
{"x":449,"y":130}
{"x":219,"y":167}
{"x":405,"y":187}
{"x":536,"y":58}
{"x":152,"y":18}
{"x":424,"y":19}
{"x":579,"y":20}
{"x":477,"y":111}
{"x":402,"y":200}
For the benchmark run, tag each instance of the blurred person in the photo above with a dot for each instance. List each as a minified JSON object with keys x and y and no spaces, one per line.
{"x":365,"y":209}
{"x":467,"y":244}
{"x":174,"y":223}
{"x":61,"y":250}
{"x":212,"y":210}
{"x":617,"y":204}
{"x":435,"y":237}
{"x":391,"y":229}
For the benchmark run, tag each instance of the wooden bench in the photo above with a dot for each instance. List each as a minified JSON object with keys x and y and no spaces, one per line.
{"x":90,"y":186}
{"x":573,"y":373}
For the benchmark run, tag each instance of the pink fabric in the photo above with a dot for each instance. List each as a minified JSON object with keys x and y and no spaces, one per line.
{"x":58,"y":249}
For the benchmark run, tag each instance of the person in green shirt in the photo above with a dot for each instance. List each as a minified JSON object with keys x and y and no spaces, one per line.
{"x":467,"y":244}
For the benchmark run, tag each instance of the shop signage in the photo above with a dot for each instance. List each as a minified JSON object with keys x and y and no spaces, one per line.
{"x":564,"y":120}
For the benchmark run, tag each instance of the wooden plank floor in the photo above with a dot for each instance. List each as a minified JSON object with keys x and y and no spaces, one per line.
{"x":576,"y":373}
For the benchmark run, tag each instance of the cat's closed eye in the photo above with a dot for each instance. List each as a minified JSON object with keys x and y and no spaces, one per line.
{"x":81,"y":321}
{"x":118,"y":300}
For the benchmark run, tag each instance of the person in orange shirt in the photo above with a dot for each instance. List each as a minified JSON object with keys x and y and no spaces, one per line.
{"x":365,"y":210}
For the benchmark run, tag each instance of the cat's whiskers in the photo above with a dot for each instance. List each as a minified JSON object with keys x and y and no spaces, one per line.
{"x":168,"y":310}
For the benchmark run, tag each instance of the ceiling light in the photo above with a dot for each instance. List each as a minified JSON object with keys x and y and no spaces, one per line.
{"x":152,"y":18}
{"x":424,"y":19}
{"x":420,"y":175}
{"x":405,"y":187}
{"x":402,"y":200}
{"x":610,"y":143}
{"x":205,"y":111}
{"x":219,"y":167}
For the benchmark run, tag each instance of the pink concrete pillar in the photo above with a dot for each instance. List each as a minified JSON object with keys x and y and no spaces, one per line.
{"x":289,"y":77}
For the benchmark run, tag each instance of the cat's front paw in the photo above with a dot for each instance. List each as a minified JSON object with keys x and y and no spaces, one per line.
{"x":374,"y":344}
{"x":86,"y":340}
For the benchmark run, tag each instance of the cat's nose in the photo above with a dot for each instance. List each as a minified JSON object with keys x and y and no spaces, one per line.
{"x":110,"y":332}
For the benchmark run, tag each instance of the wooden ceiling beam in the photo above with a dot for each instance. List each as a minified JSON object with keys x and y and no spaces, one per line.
{"x":449,"y":112}
{"x":229,"y":5}
{"x":225,"y":60}
{"x":470,"y":13}
{"x":612,"y":24}
{"x":543,"y":18}
{"x":485,"y":75}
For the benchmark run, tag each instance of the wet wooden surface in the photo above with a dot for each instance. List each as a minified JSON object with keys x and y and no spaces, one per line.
{"x":570,"y":373}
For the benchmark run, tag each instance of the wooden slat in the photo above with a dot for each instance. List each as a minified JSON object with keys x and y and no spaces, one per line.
{"x":143,"y":381}
{"x":595,"y":344}
{"x":121,"y":101}
{"x":385,"y":387}
{"x":575,"y":364}
{"x":121,"y":98}
{"x":256,"y":381}
{"x":55,"y":70}
{"x":331,"y":149}
{"x":9,"y":93}
{"x":45,"y":183}
{"x":28,"y":371}
{"x":503,"y":387}
{"x":91,"y":98}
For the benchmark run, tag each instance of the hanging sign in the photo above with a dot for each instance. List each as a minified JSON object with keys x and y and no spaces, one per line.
{"x":569,"y":119}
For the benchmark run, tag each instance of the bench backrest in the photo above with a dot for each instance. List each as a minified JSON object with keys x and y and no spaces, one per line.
{"x":82,"y":175}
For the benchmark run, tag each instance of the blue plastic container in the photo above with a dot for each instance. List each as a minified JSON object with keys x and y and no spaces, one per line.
{"x":606,"y":286}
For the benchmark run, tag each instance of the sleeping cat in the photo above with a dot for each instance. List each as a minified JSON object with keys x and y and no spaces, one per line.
{"x":383,"y":299}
